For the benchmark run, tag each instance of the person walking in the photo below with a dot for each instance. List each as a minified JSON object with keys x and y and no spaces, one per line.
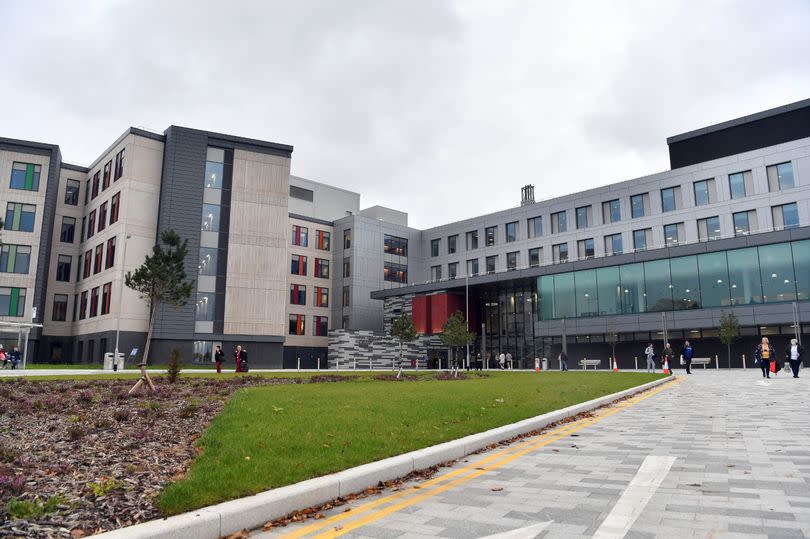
{"x":3,"y":356}
{"x":794,"y":354}
{"x":239,"y":356}
{"x":14,"y":356}
{"x":763,"y":356}
{"x":686,"y":356}
{"x":667,"y":356}
{"x":478,"y":362}
{"x":501,"y":360}
{"x":649,"y":353}
{"x":509,"y":359}
{"x":219,"y":356}
{"x":563,"y":357}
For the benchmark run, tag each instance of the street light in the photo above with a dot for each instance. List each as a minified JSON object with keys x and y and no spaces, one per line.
{"x":467,"y":313}
{"x":120,"y":294}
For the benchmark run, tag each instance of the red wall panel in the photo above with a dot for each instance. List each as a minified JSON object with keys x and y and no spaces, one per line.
{"x":442,"y":307}
{"x":421,"y":313}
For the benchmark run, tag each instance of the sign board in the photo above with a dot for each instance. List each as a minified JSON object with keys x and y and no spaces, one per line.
{"x":134,"y":352}
{"x":33,"y":313}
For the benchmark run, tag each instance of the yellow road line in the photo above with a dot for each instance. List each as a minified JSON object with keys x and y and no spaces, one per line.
{"x":440,"y":484}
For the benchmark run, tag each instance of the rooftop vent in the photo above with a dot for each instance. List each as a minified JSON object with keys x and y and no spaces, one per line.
{"x":527,"y":195}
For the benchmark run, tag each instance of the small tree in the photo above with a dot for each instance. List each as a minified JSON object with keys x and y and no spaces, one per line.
{"x":454,"y":332}
{"x":174,"y":367}
{"x":403,"y":331}
{"x":161,"y":279}
{"x":728,"y":331}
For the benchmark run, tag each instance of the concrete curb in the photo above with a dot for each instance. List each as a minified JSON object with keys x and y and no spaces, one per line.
{"x":252,"y":512}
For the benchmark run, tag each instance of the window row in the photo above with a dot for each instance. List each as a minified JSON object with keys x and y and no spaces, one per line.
{"x":102,"y":179}
{"x":300,"y":237}
{"x":90,"y":263}
{"x":753,"y":275}
{"x":96,"y":220}
{"x":298,"y":266}
{"x":12,"y":301}
{"x":298,"y":325}
{"x":298,"y":295}
{"x":96,"y":308}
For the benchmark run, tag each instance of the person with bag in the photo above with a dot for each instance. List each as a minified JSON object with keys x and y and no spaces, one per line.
{"x":667,"y":356}
{"x":794,"y":354}
{"x":239,"y":357}
{"x":764,"y":356}
{"x":686,"y":356}
{"x":649,"y":353}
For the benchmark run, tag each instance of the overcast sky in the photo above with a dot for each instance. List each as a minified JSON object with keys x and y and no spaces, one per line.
{"x":440,"y":109}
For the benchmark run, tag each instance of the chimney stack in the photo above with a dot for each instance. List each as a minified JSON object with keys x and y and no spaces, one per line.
{"x":527,"y":195}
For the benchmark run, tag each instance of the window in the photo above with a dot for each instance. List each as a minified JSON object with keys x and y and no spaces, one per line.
{"x":613,"y":244}
{"x":321,"y":296}
{"x":87,"y":191}
{"x":93,"y":302}
{"x":107,"y":173}
{"x":670,"y":199}
{"x":611,"y":211}
{"x":452,"y":270}
{"x":347,"y":238}
{"x":25,"y":176}
{"x":68,"y":228}
{"x":215,"y":167}
{"x":346,"y":297}
{"x":492,"y":263}
{"x":110,"y":260}
{"x":393,"y":245}
{"x":708,"y":228}
{"x":472,"y":267}
{"x":72,"y":193}
{"x":88,"y":263}
{"x":640,"y":205}
{"x":785,"y":216}
{"x":451,"y":244}
{"x":559,"y":222}
{"x":780,"y":176}
{"x":534,"y":227}
{"x":321,"y":328}
{"x":583,"y":217}
{"x":75,"y":306}
{"x":91,"y":224}
{"x":300,"y":235}
{"x":96,"y":183}
{"x":511,"y":261}
{"x":81,"y":232}
{"x":742,"y":222}
{"x":59,"y":313}
{"x":301,"y":193}
{"x":298,"y":265}
{"x":79,"y":269}
{"x":119,"y":165}
{"x":208,"y":261}
{"x":106,"y":292}
{"x":20,"y":217}
{"x":642,"y":239}
{"x":585,"y":248}
{"x":99,"y":258}
{"x":210,"y":218}
{"x":673,"y":234}
{"x":115,"y":205}
{"x":511,"y":232}
{"x":298,"y":294}
{"x":741,"y":184}
{"x":347,"y":267}
{"x":102,"y":217}
{"x":63,"y":263}
{"x":297,"y":324}
{"x":12,"y":301}
{"x":83,"y":306}
{"x":472,"y":240}
{"x":489,"y":235}
{"x":435,"y":273}
{"x":321,"y":268}
{"x":15,"y":258}
{"x":534,"y":257}
{"x":705,"y":192}
{"x":322,"y":239}
{"x":204,"y":309}
{"x":395,"y":273}
{"x":434,"y":247}
{"x":559,"y":252}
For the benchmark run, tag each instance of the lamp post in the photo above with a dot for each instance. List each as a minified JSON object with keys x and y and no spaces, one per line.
{"x":120,"y":294}
{"x":467,"y":314}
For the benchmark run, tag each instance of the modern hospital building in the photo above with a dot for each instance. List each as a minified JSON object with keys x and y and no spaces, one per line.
{"x":294,"y":269}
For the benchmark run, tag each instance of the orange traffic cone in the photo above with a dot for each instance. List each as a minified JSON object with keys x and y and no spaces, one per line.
{"x":615,"y":366}
{"x":666,"y":366}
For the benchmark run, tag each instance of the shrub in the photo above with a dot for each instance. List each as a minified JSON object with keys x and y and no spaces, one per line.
{"x":25,"y":509}
{"x":85,"y":397}
{"x":15,"y":483}
{"x":7,"y":454}
{"x":174,"y":367}
{"x":188,"y":410}
{"x":75,"y":432}
{"x":104,"y":486}
{"x":103,"y":423}
{"x":121,"y":415}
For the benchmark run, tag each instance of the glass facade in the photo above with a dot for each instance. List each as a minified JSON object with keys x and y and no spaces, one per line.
{"x":765,"y":274}
{"x":394,"y":245}
{"x":395,"y":273}
{"x":208,"y":261}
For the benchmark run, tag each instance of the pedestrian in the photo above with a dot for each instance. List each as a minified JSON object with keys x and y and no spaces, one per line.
{"x":563,"y":357}
{"x":763,"y":356}
{"x":425,"y":359}
{"x":794,"y":354}
{"x":649,"y":353}
{"x":478,"y":362}
{"x":501,"y":360}
{"x":3,"y":356}
{"x":686,"y":356}
{"x":14,"y":356}
{"x":667,"y":356}
{"x":509,"y":359}
{"x":239,"y":356}
{"x":219,"y":356}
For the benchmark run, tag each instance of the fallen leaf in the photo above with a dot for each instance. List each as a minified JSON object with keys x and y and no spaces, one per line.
{"x":242,"y":534}
{"x":318,"y":516}
{"x":267,"y":526}
{"x":338,"y":528}
{"x":496,"y":489}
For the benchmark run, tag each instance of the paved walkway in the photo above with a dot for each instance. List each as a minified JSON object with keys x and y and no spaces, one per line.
{"x":716,"y":455}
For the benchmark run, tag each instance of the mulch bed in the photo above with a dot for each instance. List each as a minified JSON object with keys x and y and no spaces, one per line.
{"x":88,"y":458}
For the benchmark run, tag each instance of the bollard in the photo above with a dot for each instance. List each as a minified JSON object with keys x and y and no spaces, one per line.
{"x":743,"y":359}
{"x":337,"y":364}
{"x":355,"y":363}
{"x":717,"y":362}
{"x":636,"y":360}
{"x":319,"y":363}
{"x":299,"y":364}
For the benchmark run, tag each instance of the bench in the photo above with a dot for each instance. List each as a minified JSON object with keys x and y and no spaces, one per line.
{"x":701,"y":361}
{"x":585,"y":363}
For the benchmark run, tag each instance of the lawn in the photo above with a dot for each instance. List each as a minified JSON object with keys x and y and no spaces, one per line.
{"x":271,"y":436}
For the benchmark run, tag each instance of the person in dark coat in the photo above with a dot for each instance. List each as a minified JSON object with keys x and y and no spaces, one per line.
{"x":794,"y":355}
{"x":764,"y":355}
{"x":563,"y":357}
{"x":219,"y":356}
{"x":239,"y":356}
{"x":687,"y":353}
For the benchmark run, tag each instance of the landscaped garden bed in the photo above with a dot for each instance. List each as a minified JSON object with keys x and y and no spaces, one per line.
{"x":78,"y":456}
